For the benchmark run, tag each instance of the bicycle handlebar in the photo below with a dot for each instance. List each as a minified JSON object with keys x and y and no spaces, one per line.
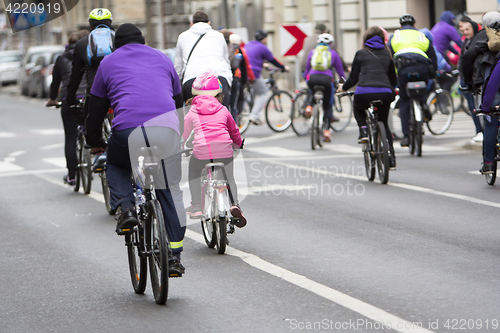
{"x":345,"y":93}
{"x":57,"y":105}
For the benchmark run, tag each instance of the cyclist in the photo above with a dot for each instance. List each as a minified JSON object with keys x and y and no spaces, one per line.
{"x":142,"y":85}
{"x":373,"y":71}
{"x":81,"y":65}
{"x":199,"y":48}
{"x":444,"y":32}
{"x":258,"y":52}
{"x":443,"y":66}
{"x":60,"y":78}
{"x":469,"y":29}
{"x":318,"y":73}
{"x":413,"y":53}
{"x":215,"y":135}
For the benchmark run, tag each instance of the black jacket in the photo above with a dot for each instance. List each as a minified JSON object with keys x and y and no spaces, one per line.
{"x":372,"y":68}
{"x":477,"y":60}
{"x":61,"y":74}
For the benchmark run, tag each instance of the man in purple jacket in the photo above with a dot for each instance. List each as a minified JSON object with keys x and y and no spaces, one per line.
{"x":444,"y":32}
{"x":258,"y":52}
{"x":142,"y":86}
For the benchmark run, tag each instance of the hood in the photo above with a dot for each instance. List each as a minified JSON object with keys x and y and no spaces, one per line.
{"x":68,"y":52}
{"x":200,"y":28}
{"x":490,"y":18}
{"x":205,"y":105}
{"x":447,"y":17}
{"x":427,"y":33}
{"x":475,"y":26}
{"x":376,"y":42}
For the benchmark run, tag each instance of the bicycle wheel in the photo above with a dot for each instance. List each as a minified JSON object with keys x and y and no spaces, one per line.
{"x":106,"y":194}
{"x":300,"y":124}
{"x":78,"y":172}
{"x":382,"y":153}
{"x":368,"y":156}
{"x":137,"y":262}
{"x":419,"y":138}
{"x":343,"y":112}
{"x":278,"y":110}
{"x":441,"y":107}
{"x":157,"y":246}
{"x":86,"y":170}
{"x":317,"y":124}
{"x":221,"y":230}
{"x":492,"y":177}
{"x":243,"y":119}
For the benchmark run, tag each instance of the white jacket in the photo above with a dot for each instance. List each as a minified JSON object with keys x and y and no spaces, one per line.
{"x":210,"y":54}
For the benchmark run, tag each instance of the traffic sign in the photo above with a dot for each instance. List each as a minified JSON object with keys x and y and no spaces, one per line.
{"x":20,"y":21}
{"x":37,"y":18}
{"x":292,"y":37}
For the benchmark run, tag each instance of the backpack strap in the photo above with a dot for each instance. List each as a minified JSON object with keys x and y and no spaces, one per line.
{"x":189,"y":56}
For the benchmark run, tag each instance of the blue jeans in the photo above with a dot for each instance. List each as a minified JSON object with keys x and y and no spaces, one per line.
{"x":490,"y":139}
{"x":470,"y":103}
{"x":121,"y":155}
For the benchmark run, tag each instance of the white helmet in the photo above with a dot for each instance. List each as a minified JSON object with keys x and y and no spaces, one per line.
{"x":235,"y":39}
{"x":325,"y":38}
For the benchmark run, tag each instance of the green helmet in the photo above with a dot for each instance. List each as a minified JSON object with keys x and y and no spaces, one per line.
{"x":100,"y":14}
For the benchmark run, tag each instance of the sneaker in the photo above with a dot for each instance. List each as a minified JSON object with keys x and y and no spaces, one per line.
{"x":256,"y":121}
{"x":327,"y":136}
{"x":487,"y":168}
{"x":67,"y":180}
{"x":175,"y":268}
{"x":392,"y":161}
{"x":194,"y":211}
{"x":238,"y":219}
{"x":334,"y":119}
{"x":127,"y":221}
{"x":405,"y":142}
{"x":308,"y":112}
{"x":363,"y":135}
{"x":478,"y":137}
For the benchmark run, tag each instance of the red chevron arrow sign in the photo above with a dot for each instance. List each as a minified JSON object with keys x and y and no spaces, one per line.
{"x":292,"y":37}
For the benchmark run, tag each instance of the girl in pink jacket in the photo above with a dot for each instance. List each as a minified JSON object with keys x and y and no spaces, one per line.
{"x":215,"y":136}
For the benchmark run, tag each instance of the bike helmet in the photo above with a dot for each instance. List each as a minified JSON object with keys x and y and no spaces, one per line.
{"x":325,"y":38}
{"x":260,"y":34}
{"x":100,"y":14}
{"x":206,"y":84}
{"x":407,"y":19}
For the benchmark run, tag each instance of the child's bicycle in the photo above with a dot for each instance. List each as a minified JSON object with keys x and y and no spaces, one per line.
{"x":216,"y":221}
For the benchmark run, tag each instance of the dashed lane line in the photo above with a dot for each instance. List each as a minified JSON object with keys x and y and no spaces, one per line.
{"x":348,"y":302}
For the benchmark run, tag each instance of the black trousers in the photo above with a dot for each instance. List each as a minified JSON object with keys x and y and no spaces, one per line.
{"x":226,"y":90}
{"x":195,"y":168}
{"x":326,"y":82}
{"x":70,"y":123}
{"x":362,"y":102}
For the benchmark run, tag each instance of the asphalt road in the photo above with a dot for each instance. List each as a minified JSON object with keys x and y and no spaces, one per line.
{"x":324,"y":249}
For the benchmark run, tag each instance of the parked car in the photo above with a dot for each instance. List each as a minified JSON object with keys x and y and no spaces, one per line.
{"x":28,"y":63}
{"x":41,"y":75}
{"x":10,"y":64}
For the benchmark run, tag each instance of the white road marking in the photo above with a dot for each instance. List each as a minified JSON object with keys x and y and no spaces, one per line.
{"x":7,"y":135}
{"x":57,"y":161}
{"x":48,"y":131}
{"x":271,"y":138}
{"x":30,"y":172}
{"x":54,"y":146}
{"x":280,"y":152}
{"x":351,"y":303}
{"x":17,"y":153}
{"x":7,"y":167}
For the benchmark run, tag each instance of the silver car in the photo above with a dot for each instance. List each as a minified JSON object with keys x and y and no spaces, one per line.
{"x":28,"y":64}
{"x":10,"y":63}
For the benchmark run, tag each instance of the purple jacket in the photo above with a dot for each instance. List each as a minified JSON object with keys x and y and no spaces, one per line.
{"x":491,"y":89}
{"x":444,"y":32}
{"x":258,"y":53}
{"x":336,"y":62}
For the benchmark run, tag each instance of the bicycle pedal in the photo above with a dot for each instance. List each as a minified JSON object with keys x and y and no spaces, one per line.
{"x":174,"y":275}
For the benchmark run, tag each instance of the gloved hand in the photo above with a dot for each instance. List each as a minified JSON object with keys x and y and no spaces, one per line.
{"x":242,"y":143}
{"x":482,"y":46}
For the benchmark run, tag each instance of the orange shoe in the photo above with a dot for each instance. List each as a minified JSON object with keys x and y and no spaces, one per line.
{"x":308,"y":112}
{"x":327,"y":136}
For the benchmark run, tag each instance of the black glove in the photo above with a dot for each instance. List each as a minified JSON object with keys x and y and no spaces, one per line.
{"x":482,"y":46}
{"x":242,"y":143}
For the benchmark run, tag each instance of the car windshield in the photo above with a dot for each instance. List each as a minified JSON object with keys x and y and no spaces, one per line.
{"x":9,"y":58}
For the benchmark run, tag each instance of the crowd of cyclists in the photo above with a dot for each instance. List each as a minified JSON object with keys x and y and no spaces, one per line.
{"x":115,"y":69}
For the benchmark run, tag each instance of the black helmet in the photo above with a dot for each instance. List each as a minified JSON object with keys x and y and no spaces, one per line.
{"x":260,"y":34}
{"x":407,"y":19}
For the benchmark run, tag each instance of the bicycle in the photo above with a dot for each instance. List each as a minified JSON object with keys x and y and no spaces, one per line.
{"x":416,"y":90}
{"x":440,"y":104}
{"x":148,"y":242}
{"x":243,"y":118}
{"x":301,"y":124}
{"x":491,"y":177}
{"x":376,"y":150}
{"x":318,"y":126}
{"x":278,"y":106}
{"x":343,"y":114}
{"x":106,"y":129}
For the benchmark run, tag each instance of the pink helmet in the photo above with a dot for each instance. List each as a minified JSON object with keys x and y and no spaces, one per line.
{"x":206,"y":84}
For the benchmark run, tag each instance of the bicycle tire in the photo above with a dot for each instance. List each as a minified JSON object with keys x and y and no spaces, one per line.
{"x":383,"y":163}
{"x":278,"y":109}
{"x":316,"y":135}
{"x":221,"y":230}
{"x":492,"y":177}
{"x":157,"y":247}
{"x":78,"y":177}
{"x":419,"y":139}
{"x":441,"y":107}
{"x":244,"y":115}
{"x":343,"y":111}
{"x":368,"y":155}
{"x":138,"y":264}
{"x":300,"y":124}
{"x":106,"y":194}
{"x":86,"y":170}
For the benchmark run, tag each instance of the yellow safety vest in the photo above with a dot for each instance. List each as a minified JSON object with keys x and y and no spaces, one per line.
{"x":409,"y":41}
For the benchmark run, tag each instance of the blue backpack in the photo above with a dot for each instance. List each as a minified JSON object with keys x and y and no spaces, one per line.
{"x":101,"y":42}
